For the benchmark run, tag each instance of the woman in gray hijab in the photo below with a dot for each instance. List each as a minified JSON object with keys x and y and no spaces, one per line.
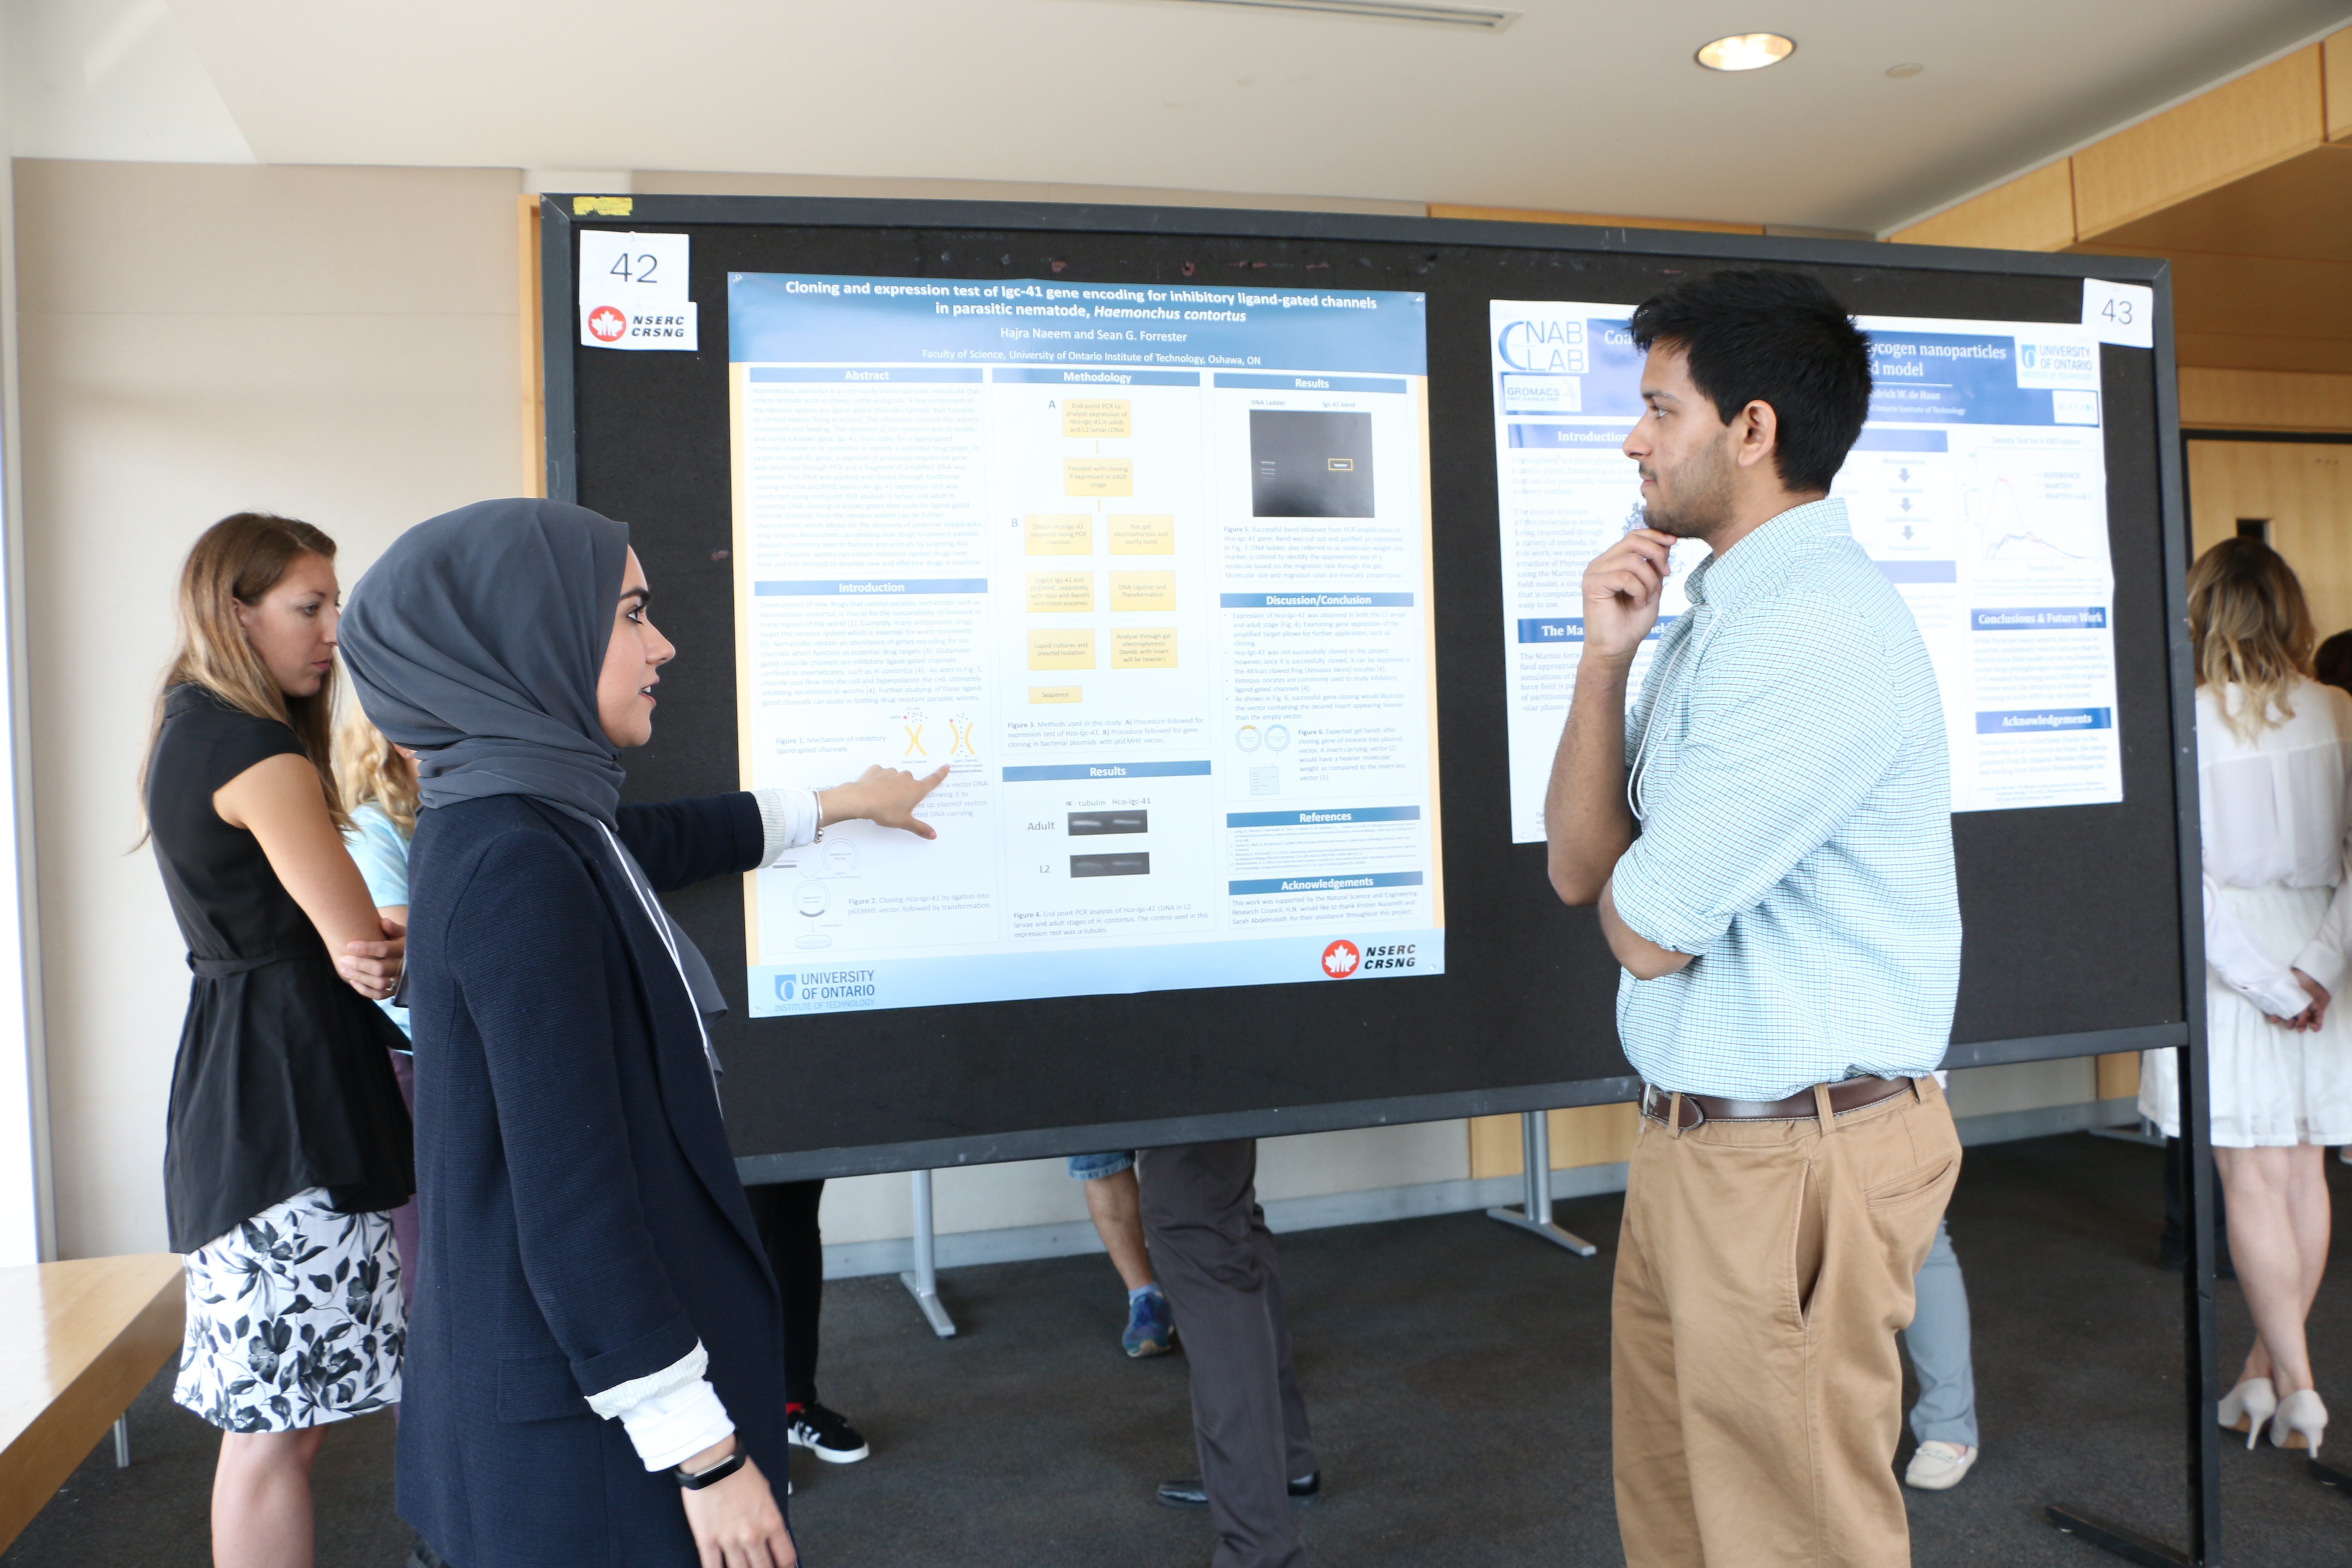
{"x":594,"y":1360}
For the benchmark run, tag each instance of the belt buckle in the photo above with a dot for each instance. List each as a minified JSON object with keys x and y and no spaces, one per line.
{"x":1660,"y":1109}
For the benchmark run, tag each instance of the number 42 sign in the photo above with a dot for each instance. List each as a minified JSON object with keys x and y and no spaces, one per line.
{"x":632,"y":291}
{"x":2121,"y":313}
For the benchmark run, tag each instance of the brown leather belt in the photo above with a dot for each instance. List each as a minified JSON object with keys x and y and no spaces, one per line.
{"x":1697,"y":1109}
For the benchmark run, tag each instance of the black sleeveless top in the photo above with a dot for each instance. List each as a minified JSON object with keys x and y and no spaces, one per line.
{"x":281,"y":1083}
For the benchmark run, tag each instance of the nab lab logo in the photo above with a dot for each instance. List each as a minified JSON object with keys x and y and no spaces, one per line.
{"x":1555,"y":348}
{"x":1340,"y":959}
{"x":607,"y":324}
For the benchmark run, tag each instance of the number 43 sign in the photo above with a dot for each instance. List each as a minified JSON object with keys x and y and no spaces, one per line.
{"x":632,"y":291}
{"x":2121,"y":313}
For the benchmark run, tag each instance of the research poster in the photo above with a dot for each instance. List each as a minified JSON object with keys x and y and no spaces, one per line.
{"x":1148,"y":568}
{"x":1979,"y":486}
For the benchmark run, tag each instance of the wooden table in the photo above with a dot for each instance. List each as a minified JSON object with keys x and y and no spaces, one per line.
{"x":77,"y":1342}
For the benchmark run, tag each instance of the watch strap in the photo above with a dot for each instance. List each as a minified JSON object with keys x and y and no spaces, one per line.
{"x":695,"y":1480}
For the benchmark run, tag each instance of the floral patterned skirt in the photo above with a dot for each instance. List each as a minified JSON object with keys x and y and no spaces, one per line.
{"x":295,"y":1319}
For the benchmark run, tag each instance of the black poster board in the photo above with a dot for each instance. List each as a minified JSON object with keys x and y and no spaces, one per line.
{"x":2076,"y":935}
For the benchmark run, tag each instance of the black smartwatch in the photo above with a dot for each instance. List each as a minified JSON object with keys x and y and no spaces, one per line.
{"x":695,"y":1480}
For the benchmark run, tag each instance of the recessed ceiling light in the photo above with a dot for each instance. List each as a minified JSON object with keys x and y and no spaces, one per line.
{"x":1909,"y":67}
{"x":1747,"y":52}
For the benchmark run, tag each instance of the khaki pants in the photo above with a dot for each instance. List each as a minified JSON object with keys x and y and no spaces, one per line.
{"x":1763,"y":1272}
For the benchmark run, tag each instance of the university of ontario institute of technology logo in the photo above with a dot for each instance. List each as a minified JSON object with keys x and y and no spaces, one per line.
{"x":607,"y":324}
{"x":1340,"y":960}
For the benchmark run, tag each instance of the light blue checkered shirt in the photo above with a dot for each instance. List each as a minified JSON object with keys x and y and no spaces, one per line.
{"x":1788,"y":762}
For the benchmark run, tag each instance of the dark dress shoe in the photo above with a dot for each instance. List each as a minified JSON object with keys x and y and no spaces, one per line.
{"x":1189,"y":1491}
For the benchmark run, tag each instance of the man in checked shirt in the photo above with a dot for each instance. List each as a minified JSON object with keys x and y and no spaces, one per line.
{"x":1767,"y":836}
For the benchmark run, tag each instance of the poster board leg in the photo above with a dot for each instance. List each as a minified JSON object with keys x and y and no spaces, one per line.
{"x":2127,"y":1544}
{"x":1534,"y":1213}
{"x":923,"y":1282}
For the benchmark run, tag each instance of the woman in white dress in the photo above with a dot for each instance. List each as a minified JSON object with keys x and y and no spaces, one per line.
{"x":2274,"y":785}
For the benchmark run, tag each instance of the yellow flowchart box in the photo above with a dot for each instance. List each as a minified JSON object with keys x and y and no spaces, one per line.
{"x":1055,"y":693}
{"x":1061,"y":534}
{"x":1072,"y":649}
{"x":1142,"y":534}
{"x":1061,"y":593}
{"x":1097,"y":417}
{"x":1143,"y":648}
{"x":1097,"y":477}
{"x":1143,"y":590}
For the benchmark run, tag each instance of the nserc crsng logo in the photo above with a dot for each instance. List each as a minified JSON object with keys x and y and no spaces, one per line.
{"x":816,"y":986}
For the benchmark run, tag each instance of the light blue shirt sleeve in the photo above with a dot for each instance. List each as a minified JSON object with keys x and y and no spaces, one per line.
{"x":1793,"y":724}
{"x":380,"y":850}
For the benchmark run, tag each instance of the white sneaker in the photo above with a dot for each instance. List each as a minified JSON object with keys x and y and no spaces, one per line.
{"x":1939,"y":1465}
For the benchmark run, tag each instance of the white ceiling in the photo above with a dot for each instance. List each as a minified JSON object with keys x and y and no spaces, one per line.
{"x":1582,"y":104}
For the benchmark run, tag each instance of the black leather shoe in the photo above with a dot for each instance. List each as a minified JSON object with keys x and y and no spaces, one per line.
{"x":1189,"y":1492}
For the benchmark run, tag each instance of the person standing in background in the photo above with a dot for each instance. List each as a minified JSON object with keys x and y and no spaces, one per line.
{"x":379,"y":788}
{"x":1768,"y":838}
{"x":1216,"y":1259}
{"x":786,"y":1215}
{"x":2275,"y":808}
{"x":1114,"y":1204}
{"x":2333,"y":665}
{"x":287,"y":1141}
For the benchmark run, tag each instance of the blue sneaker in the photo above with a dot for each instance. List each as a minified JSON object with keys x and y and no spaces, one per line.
{"x":1150,"y":1330}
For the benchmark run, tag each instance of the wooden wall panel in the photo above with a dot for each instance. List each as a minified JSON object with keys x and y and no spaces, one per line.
{"x":1582,"y":1135}
{"x":2263,"y":400}
{"x":533,"y":437}
{"x":2304,"y":490}
{"x":2118,"y":1075}
{"x":2033,"y":212}
{"x":2335,"y":67}
{"x":1597,"y":220}
{"x":2240,"y":127}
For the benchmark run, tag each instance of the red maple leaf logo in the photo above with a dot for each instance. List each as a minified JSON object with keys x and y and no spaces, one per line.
{"x":607,"y":324}
{"x":1340,"y":960}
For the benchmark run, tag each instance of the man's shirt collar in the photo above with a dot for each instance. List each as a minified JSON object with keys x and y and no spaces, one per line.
{"x":1722,"y":579}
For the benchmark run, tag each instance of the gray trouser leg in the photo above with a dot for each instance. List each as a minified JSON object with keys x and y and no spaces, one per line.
{"x":1215,"y":1259}
{"x":1937,"y":1339}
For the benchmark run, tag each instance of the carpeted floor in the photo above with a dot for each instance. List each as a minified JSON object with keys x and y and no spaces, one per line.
{"x":1457,"y":1372}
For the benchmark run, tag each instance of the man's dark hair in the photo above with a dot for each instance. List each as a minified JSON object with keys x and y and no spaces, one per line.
{"x":1770,"y":337}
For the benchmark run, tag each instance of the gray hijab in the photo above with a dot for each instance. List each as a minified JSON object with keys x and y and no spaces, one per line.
{"x":476,"y":641}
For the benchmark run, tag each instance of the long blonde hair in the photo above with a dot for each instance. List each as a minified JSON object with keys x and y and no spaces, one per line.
{"x":238,"y":561}
{"x":368,"y":768}
{"x":2251,"y":628}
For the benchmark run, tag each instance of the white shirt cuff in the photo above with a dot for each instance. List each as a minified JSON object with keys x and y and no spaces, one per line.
{"x":788,"y":819}
{"x":668,"y":1429}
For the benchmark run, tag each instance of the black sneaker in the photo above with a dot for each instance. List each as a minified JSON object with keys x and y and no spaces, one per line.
{"x":1190,"y":1492}
{"x":826,"y":1434}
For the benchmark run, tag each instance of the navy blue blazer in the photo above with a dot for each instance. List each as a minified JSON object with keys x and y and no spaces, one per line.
{"x":583,"y":1223}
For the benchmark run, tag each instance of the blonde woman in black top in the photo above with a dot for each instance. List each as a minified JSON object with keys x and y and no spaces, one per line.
{"x":287,"y":1138}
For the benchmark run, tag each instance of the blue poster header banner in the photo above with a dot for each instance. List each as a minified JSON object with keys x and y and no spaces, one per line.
{"x":1053,"y":771}
{"x":2040,"y":619}
{"x":1322,"y":818}
{"x":790,"y":318}
{"x":2046,"y":721}
{"x":1950,"y":378}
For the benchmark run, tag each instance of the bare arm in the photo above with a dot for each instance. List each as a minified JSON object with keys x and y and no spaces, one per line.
{"x":278,"y":801}
{"x":1642,"y":958}
{"x":1586,"y":822}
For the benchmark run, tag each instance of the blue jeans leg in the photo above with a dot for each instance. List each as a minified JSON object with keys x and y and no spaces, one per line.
{"x":1937,"y":1339}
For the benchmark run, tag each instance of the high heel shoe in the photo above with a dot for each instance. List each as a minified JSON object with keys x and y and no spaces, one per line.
{"x":2245,"y":1407}
{"x":2300,"y":1420}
